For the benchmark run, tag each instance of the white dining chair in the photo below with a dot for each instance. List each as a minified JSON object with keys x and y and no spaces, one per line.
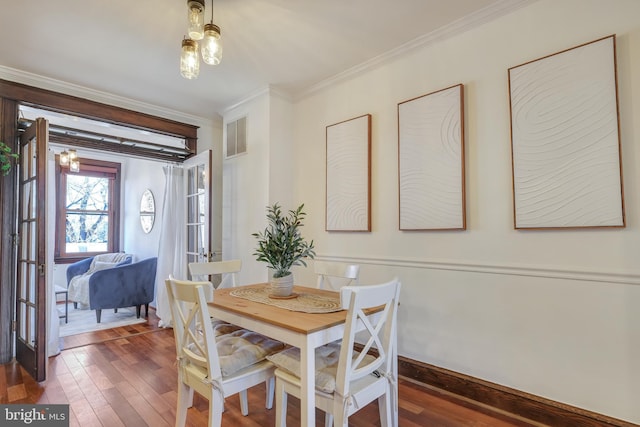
{"x":214,"y":367}
{"x":226,"y":269}
{"x":346,"y":379}
{"x":334,"y":275}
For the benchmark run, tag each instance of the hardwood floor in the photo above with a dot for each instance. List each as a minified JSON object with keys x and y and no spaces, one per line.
{"x":127,"y":377}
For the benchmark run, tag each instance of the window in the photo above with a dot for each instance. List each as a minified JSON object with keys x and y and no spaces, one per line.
{"x":87,"y":210}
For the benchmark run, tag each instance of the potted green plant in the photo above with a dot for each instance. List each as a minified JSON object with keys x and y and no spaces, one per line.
{"x":282,"y":246}
{"x":5,"y":158}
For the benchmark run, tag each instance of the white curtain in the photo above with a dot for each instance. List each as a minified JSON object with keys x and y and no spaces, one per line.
{"x":172,"y":251}
{"x":53,"y":325}
{"x":53,"y":333}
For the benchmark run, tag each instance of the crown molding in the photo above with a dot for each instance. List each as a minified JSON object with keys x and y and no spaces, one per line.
{"x":42,"y":82}
{"x":265,"y":90}
{"x":483,"y":16}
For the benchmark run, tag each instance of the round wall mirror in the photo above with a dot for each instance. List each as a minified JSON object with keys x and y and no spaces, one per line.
{"x":147,"y":211}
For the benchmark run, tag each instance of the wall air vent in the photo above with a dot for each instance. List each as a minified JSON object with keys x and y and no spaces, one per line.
{"x":236,"y":137}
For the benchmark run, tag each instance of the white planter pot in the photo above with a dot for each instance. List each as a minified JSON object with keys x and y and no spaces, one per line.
{"x":282,"y":286}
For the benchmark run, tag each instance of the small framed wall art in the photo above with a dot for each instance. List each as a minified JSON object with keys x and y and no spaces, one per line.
{"x":348,"y":172}
{"x":431,"y":161}
{"x":565,"y":142}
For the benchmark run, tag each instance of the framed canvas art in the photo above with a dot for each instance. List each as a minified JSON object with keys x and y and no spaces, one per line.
{"x":431,"y":161}
{"x":349,"y":175}
{"x":565,"y":141}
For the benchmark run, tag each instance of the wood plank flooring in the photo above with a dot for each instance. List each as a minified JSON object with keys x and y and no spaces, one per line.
{"x":127,"y":377}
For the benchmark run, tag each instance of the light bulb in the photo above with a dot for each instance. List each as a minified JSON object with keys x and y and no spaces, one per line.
{"x":74,"y":165}
{"x":72,"y":155}
{"x":189,"y":61}
{"x":212,"y":45}
{"x":64,"y":158}
{"x":195,"y":16}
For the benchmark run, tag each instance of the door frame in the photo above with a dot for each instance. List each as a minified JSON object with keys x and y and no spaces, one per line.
{"x":13,"y":94}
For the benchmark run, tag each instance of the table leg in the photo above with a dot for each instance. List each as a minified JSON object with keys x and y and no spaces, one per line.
{"x":307,"y":385}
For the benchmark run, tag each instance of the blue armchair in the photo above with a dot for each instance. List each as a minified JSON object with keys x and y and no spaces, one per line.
{"x":124,"y":285}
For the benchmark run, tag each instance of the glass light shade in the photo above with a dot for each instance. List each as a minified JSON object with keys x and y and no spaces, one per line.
{"x":212,"y":45}
{"x":195,"y":16}
{"x":64,"y":158}
{"x":72,"y":155}
{"x":189,"y":61}
{"x":74,"y":165}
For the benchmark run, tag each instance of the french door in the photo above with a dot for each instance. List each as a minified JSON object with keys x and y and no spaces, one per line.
{"x":198,"y":199}
{"x":31,"y":281}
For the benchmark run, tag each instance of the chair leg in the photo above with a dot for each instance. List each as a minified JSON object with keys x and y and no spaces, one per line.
{"x":190,"y":398}
{"x":138,"y":309}
{"x":244,"y":402}
{"x":328,"y":419}
{"x":185,"y":396}
{"x":75,"y":305}
{"x":115,"y":310}
{"x":216,"y":407}
{"x":281,"y":405}
{"x":271,"y":385}
{"x":146,"y":310}
{"x":384,"y":407}
{"x":98,"y":314}
{"x":340,"y":419}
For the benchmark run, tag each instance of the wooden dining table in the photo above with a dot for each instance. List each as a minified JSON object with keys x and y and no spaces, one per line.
{"x":306,"y":331}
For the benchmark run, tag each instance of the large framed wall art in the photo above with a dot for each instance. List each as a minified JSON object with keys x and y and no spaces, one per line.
{"x":349,"y":175}
{"x":431,"y":161}
{"x":565,"y":142}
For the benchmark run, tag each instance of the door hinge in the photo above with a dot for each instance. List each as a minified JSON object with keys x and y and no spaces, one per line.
{"x":13,"y":326}
{"x":15,"y":239}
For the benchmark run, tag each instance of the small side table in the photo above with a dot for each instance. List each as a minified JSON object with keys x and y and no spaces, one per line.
{"x":63,"y":290}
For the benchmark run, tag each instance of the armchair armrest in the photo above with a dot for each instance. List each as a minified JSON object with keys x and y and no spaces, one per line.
{"x":123,"y":286}
{"x":78,"y":268}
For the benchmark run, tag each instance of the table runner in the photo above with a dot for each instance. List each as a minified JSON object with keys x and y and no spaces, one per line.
{"x":304,"y":302}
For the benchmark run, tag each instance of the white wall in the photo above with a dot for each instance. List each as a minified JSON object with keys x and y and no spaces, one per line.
{"x":245,"y":183}
{"x":552,"y":313}
{"x":139,"y":175}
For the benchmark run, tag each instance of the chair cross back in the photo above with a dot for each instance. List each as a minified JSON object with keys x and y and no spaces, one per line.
{"x":192,"y":325}
{"x":226,"y":269}
{"x":333,"y":275}
{"x":380,"y":335}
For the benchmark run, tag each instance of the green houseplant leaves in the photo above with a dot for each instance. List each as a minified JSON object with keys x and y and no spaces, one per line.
{"x":5,"y":158}
{"x":281,"y":244}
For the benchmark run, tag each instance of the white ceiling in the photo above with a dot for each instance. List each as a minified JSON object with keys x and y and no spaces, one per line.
{"x":131,"y":48}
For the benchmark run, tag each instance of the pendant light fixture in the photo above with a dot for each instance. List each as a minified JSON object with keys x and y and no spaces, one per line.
{"x":64,"y":158}
{"x":212,"y":43}
{"x":70,"y":159}
{"x":74,"y":165}
{"x":210,"y":35}
{"x":195,"y":16}
{"x":189,"y":60}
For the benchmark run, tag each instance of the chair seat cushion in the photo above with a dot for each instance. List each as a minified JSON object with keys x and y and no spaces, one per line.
{"x":242,"y":348}
{"x":326,"y":364}
{"x":221,"y":328}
